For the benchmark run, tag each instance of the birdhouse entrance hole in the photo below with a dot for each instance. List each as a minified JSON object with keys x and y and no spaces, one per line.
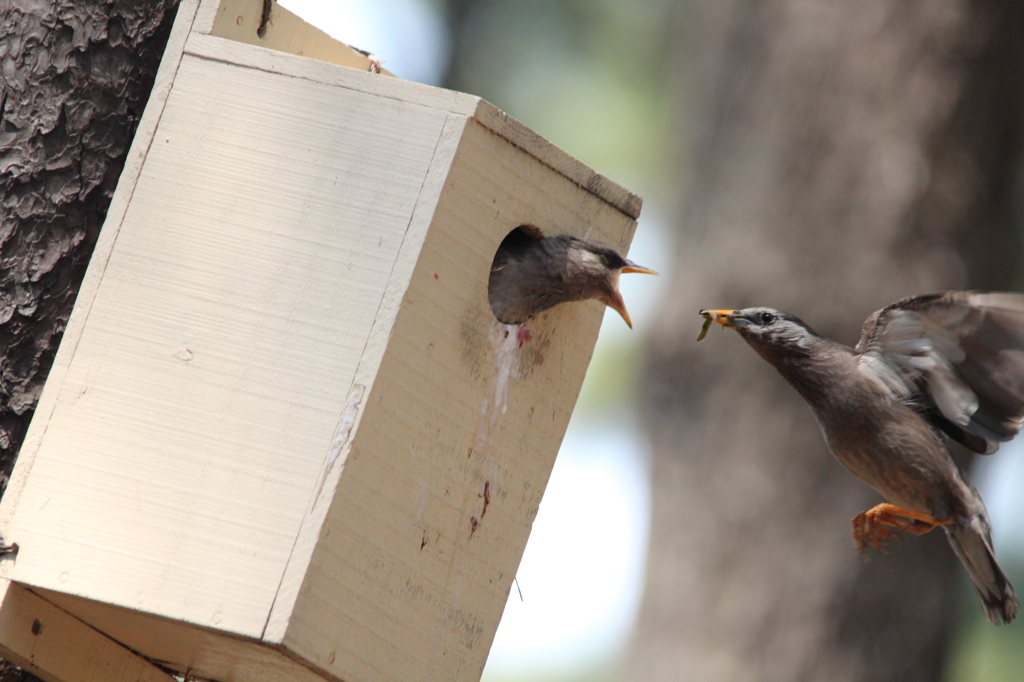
{"x":515,"y":240}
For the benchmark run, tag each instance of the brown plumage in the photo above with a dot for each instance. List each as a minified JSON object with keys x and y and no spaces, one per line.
{"x":532,"y":273}
{"x":926,"y":367}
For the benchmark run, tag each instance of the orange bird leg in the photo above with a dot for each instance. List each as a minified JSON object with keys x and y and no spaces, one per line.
{"x":876,"y":525}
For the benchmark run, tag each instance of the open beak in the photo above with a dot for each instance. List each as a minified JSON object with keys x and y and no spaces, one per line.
{"x":615,"y":301}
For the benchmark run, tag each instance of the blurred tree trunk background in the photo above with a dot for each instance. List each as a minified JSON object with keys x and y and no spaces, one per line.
{"x":842,"y":155}
{"x":74,"y":81}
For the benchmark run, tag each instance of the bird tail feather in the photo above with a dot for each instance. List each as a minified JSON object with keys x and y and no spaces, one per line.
{"x":971,"y":539}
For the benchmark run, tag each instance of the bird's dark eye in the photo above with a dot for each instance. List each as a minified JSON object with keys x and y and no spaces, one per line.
{"x":767,"y":318}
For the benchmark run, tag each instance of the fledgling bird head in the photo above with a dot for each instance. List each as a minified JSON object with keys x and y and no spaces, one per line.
{"x":598,"y":267}
{"x":532,"y":273}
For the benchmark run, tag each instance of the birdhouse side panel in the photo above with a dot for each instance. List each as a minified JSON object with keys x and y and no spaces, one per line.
{"x":188,"y":433}
{"x":457,"y":439}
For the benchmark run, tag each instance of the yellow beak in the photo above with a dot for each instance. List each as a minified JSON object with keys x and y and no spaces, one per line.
{"x":614,"y":300}
{"x":719,"y":316}
{"x":640,"y":269}
{"x":722,"y":317}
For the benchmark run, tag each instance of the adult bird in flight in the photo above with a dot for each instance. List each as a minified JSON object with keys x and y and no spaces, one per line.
{"x":927,"y":368}
{"x":532,"y":273}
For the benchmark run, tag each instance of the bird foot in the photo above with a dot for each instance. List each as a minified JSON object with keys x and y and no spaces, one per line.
{"x":881,"y":522}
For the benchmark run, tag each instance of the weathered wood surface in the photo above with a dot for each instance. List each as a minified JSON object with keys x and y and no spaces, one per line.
{"x":239,"y":20}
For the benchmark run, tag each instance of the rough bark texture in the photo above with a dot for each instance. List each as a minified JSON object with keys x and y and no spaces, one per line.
{"x":844,"y":154}
{"x":74,"y":79}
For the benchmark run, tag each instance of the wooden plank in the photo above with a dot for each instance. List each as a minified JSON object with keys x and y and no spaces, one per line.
{"x":456,"y":440}
{"x":547,"y":153}
{"x":487,"y":114}
{"x":58,"y":647}
{"x":221,"y":346}
{"x":359,"y":395}
{"x":207,"y":653}
{"x":97,"y":264}
{"x":206,"y":15}
{"x":231,"y":52}
{"x":238,"y":20}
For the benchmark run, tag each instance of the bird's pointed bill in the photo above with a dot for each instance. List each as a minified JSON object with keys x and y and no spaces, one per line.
{"x":722,"y":317}
{"x":616,"y":303}
{"x":726,"y":318}
{"x":633,"y":267}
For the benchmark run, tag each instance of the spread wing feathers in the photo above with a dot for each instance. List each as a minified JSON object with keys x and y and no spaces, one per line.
{"x":957,"y":358}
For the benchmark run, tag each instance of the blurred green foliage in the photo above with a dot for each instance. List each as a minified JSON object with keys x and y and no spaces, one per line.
{"x":588,"y":75}
{"x":611,"y":383}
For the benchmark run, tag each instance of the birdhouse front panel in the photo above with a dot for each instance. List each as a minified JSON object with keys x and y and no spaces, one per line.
{"x":220,"y":348}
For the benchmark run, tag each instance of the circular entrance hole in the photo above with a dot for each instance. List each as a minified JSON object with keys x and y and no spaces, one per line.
{"x":504,"y":291}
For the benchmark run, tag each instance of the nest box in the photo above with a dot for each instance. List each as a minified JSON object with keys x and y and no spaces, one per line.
{"x":284,"y":437}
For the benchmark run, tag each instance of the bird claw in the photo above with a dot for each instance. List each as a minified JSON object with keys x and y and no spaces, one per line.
{"x":867,"y":531}
{"x":881,"y":522}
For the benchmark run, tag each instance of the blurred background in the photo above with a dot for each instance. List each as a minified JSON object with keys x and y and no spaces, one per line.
{"x":821,"y":157}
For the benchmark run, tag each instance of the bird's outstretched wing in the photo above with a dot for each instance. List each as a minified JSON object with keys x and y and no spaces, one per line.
{"x":957,"y":358}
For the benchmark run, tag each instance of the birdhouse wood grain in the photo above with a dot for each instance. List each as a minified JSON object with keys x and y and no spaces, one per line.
{"x":284,"y":437}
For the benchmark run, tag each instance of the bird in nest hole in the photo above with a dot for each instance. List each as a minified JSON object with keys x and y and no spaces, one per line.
{"x":532,"y":273}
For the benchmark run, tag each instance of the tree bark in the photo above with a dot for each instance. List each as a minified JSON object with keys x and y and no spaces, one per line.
{"x":843,"y":155}
{"x":74,"y":79}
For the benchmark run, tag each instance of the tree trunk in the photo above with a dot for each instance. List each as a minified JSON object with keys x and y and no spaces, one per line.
{"x":74,"y":79}
{"x":844,"y":155}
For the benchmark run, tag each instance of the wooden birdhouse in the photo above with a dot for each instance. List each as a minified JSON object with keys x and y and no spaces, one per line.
{"x":284,"y":437}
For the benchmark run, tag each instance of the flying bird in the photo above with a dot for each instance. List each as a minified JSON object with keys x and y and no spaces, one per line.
{"x":532,"y":273}
{"x":926,"y":369}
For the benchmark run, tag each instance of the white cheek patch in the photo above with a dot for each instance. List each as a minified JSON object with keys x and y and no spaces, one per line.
{"x":591,"y":260}
{"x":795,"y":337}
